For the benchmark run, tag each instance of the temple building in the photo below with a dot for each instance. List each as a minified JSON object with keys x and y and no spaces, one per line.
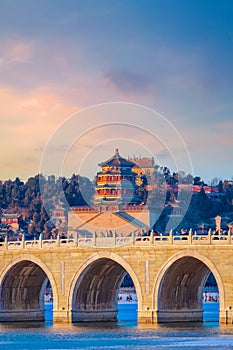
{"x":116,"y":182}
{"x":11,"y":220}
{"x":58,"y":214}
{"x":143,"y":165}
{"x":118,"y":204}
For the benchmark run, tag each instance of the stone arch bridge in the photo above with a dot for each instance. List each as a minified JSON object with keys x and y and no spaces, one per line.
{"x":85,"y":274}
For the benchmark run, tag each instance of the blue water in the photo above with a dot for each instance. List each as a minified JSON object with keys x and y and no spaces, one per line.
{"x":125,"y":334}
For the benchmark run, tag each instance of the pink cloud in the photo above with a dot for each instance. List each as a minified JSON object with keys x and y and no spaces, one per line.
{"x":19,"y":52}
{"x":13,"y":51}
{"x":27,"y":121}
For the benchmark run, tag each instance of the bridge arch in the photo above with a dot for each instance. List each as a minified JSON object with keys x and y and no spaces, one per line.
{"x":22,"y":284}
{"x":93,"y":290}
{"x":177,"y":292}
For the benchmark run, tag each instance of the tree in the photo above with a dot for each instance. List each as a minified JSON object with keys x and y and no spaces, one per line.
{"x":197,"y":181}
{"x":215,"y":181}
{"x":189,"y":179}
{"x":220,"y":186}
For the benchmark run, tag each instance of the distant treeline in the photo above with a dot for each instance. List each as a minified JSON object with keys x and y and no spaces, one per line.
{"x":24,"y":198}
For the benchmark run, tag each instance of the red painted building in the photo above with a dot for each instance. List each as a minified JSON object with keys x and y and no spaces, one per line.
{"x":116,"y":182}
{"x":10,"y":219}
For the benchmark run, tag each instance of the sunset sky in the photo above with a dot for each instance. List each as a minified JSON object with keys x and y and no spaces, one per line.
{"x":58,"y":58}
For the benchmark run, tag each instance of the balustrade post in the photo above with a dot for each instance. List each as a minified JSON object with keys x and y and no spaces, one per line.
{"x":94,"y":238}
{"x":152,"y":237}
{"x":40,"y":240}
{"x":190,"y":236}
{"x":229,"y":236}
{"x":23,"y":241}
{"x":134,"y":236}
{"x":58,"y":240}
{"x":76,"y":237}
{"x":171,"y":237}
{"x":114,"y":236}
{"x":195,"y":235}
{"x":6,"y":242}
{"x":209,"y":237}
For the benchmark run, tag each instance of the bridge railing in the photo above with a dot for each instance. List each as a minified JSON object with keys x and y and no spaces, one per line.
{"x":118,"y":241}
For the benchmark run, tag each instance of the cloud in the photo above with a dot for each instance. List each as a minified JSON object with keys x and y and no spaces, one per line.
{"x":14,"y":52}
{"x":52,"y":61}
{"x":27,"y":121}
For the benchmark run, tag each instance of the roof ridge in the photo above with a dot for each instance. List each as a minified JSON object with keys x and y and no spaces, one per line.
{"x":133,"y":222}
{"x":117,"y":159}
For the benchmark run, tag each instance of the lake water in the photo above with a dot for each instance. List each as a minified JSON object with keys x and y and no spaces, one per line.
{"x":125,"y":334}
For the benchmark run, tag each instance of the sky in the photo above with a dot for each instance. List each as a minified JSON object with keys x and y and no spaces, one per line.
{"x":80,"y":78}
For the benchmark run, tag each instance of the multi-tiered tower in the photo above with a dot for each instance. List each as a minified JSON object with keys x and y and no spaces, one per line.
{"x":118,"y":205}
{"x":116,"y":182}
